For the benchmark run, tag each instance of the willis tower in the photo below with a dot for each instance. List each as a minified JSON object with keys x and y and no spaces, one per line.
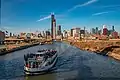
{"x":53,"y":26}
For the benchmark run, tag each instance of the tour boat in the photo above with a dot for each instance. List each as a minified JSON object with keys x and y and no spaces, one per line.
{"x":40,"y":62}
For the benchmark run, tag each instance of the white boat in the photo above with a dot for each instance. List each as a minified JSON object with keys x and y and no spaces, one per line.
{"x":41,"y":43}
{"x":40,"y":62}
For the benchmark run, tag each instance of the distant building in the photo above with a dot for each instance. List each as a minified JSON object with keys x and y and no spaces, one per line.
{"x":47,"y":33}
{"x":65,"y":34}
{"x":105,"y":30}
{"x":59,"y":30}
{"x":23,"y":35}
{"x":96,"y":30}
{"x":119,"y":35}
{"x":76,"y":32}
{"x":68,"y":33}
{"x":71,"y":32}
{"x":110,"y":32}
{"x":2,"y":37}
{"x":14,"y":35}
{"x":82,"y":31}
{"x":39,"y":35}
{"x":10,"y":34}
{"x":52,"y":19}
{"x":115,"y":35}
{"x":53,"y":26}
{"x":113,"y":29}
{"x":92,"y":31}
{"x":43,"y":34}
{"x":28,"y":35}
{"x":99,"y":32}
{"x":54,"y":29}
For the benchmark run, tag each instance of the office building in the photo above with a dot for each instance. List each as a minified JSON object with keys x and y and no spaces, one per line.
{"x":59,"y":30}
{"x":105,"y":30}
{"x":96,"y":31}
{"x":71,"y":32}
{"x":54,"y":29}
{"x":10,"y":34}
{"x":115,"y":35}
{"x":113,"y":28}
{"x":74,"y":32}
{"x":2,"y":37}
{"x":92,"y":31}
{"x":53,"y":26}
{"x":65,"y":34}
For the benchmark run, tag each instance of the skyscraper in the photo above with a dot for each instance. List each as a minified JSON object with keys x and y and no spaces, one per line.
{"x":113,"y":28}
{"x":53,"y":26}
{"x":76,"y":32}
{"x":2,"y":37}
{"x":84,"y":31}
{"x":96,"y":31}
{"x":105,"y":30}
{"x":93,"y":31}
{"x":47,"y":33}
{"x":71,"y":31}
{"x":115,"y":35}
{"x":59,"y":30}
{"x":10,"y":34}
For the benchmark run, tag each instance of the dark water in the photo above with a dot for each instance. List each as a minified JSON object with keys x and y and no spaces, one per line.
{"x":72,"y":64}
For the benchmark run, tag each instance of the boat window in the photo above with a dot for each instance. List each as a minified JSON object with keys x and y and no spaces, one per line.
{"x":33,"y":66}
{"x":36,"y":65}
{"x":29,"y":64}
{"x":41,"y":54}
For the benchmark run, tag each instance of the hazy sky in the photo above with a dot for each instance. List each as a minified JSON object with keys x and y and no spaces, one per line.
{"x":32,"y":15}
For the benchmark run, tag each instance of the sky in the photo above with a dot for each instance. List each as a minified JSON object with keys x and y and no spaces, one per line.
{"x":34,"y":15}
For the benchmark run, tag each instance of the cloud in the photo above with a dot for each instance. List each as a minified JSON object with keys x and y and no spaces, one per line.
{"x":100,"y":13}
{"x":44,"y":18}
{"x":84,"y":4}
{"x":58,"y":16}
{"x":109,"y":6}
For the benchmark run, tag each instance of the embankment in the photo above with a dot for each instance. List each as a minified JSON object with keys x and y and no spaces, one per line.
{"x":107,"y":48}
{"x":12,"y":49}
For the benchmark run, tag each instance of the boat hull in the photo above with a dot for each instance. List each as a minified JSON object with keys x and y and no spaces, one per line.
{"x":27,"y":71}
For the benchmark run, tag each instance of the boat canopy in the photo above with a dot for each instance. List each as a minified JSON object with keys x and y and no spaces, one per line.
{"x":41,"y":52}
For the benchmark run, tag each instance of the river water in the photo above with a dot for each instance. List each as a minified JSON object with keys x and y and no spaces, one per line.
{"x":72,"y":64}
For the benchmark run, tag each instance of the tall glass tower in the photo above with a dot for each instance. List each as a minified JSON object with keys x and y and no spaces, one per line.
{"x":53,"y":26}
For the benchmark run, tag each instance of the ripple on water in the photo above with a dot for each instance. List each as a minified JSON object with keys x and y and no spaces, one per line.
{"x":72,"y":64}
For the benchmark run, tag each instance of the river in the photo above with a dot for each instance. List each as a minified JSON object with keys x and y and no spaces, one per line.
{"x":72,"y":64}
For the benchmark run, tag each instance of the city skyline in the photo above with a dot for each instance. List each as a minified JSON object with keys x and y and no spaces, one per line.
{"x":25,"y":16}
